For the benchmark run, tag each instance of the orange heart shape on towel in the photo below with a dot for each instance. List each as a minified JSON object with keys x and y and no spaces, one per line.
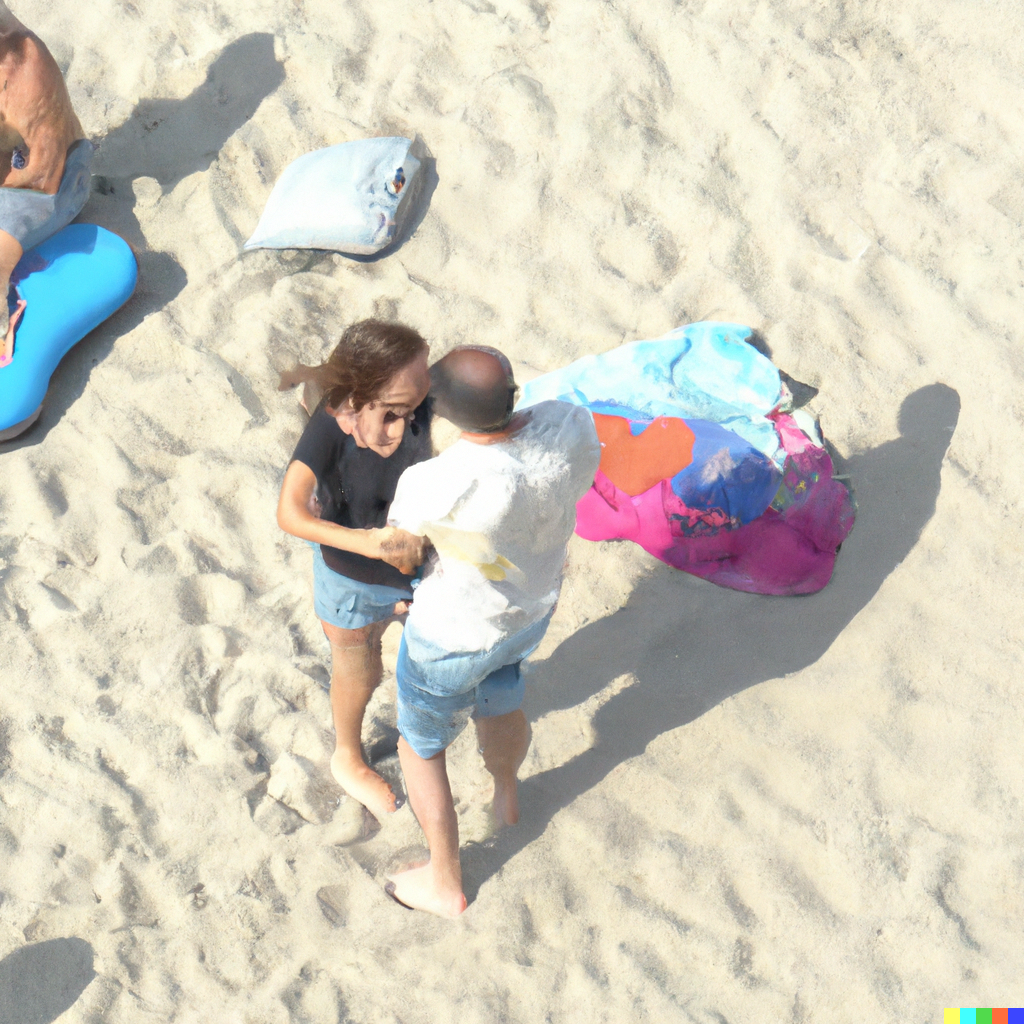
{"x":636,"y":463}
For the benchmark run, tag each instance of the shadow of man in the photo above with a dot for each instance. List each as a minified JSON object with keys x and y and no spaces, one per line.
{"x":690,"y":645}
{"x":171,"y":139}
{"x":39,"y":982}
{"x":166,"y":140}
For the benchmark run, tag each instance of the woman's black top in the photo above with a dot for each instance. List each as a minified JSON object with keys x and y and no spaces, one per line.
{"x":355,"y":486}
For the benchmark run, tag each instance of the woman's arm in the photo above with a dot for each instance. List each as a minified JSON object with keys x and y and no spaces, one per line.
{"x":405,"y":551}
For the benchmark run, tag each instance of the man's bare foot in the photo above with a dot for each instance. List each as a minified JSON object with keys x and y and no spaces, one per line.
{"x":362,"y":783}
{"x":506,"y":802}
{"x":417,"y":888}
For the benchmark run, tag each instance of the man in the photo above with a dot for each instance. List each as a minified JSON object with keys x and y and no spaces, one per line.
{"x":45,"y":159}
{"x":499,"y":507}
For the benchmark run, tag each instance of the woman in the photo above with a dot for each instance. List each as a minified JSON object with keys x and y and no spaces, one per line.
{"x":371,"y":424}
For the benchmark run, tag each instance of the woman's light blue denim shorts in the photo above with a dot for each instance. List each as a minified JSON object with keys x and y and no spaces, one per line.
{"x":438,"y":691}
{"x":347,"y":603}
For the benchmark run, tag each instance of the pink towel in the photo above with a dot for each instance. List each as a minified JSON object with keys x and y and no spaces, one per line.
{"x":789,"y":549}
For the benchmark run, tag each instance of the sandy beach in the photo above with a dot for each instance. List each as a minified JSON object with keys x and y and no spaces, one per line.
{"x":736,"y":808}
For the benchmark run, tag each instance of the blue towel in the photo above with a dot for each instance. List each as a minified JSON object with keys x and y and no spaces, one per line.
{"x":703,"y":371}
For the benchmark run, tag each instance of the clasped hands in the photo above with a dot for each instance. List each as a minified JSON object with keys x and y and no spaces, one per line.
{"x":404,"y":550}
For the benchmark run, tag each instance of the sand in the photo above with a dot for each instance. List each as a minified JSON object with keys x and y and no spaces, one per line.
{"x":736,"y":808}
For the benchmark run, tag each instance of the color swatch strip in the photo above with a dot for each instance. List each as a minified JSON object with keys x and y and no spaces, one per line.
{"x":983,"y":1015}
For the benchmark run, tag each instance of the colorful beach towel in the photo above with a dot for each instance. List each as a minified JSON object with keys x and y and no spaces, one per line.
{"x":701,"y":466}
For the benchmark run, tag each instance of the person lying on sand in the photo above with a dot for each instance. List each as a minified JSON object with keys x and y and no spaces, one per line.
{"x":45,"y":159}
{"x":499,"y":507}
{"x":371,"y":424}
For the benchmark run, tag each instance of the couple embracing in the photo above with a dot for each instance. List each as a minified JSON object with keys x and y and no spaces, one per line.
{"x":477,"y":535}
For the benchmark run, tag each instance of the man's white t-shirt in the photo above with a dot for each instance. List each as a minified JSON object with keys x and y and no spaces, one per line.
{"x":500,"y":517}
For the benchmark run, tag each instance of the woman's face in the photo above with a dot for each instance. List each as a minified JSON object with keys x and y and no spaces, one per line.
{"x":380,"y":424}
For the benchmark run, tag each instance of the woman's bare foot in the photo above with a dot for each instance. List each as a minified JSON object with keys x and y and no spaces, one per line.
{"x":417,"y":888}
{"x":506,"y":801}
{"x":362,"y":783}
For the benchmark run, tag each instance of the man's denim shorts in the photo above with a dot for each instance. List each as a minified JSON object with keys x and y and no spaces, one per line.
{"x":347,"y":603}
{"x":439,"y":691}
{"x":33,"y":217}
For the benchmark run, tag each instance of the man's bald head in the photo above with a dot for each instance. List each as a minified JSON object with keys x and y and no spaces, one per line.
{"x":474,"y":387}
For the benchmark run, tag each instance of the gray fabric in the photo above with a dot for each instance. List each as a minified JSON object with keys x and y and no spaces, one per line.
{"x":32,"y":217}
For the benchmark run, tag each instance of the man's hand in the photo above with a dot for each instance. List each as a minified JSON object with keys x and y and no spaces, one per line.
{"x":404,"y":550}
{"x":35,"y":109}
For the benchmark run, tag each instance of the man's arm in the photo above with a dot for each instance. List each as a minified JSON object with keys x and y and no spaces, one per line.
{"x":35,"y":103}
{"x":582,"y":442}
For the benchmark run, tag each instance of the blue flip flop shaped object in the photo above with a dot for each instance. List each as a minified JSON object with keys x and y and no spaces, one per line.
{"x":71,"y":283}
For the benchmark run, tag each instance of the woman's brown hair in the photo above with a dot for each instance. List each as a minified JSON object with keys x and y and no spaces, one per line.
{"x":368,"y":355}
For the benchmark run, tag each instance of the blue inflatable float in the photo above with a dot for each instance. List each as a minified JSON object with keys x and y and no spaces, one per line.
{"x":71,"y":284}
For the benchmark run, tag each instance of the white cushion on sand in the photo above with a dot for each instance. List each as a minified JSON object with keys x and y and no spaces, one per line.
{"x":349,"y":198}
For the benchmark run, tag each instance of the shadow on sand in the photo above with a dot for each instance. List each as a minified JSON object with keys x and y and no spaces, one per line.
{"x":690,"y":645}
{"x":166,"y":140}
{"x":39,"y":982}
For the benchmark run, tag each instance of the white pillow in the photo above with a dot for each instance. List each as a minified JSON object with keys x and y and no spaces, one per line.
{"x":350,"y":198}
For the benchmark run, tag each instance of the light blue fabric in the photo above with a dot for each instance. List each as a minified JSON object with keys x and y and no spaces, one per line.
{"x":445,"y":672}
{"x":347,"y":603}
{"x":703,"y":371}
{"x":349,"y":198}
{"x":32,"y":217}
{"x":430,"y":724}
{"x":437,"y":690}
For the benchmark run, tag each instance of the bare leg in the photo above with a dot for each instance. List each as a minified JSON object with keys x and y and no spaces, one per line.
{"x":504,"y":741}
{"x":437,"y":885}
{"x":356,"y":671}
{"x":10,"y":253}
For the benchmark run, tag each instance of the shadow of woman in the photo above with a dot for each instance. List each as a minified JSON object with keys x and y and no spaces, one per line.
{"x":168,"y":140}
{"x":690,"y":645}
{"x":39,"y":982}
